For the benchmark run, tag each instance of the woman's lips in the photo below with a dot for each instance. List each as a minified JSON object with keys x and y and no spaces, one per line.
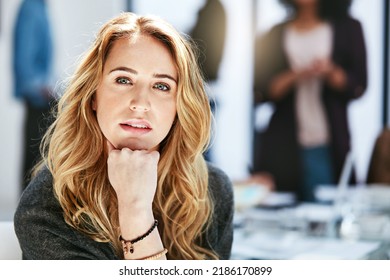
{"x":136,"y":126}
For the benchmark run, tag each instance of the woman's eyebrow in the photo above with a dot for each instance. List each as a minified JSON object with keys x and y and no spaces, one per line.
{"x":166,"y":76}
{"x":130,"y":70}
{"x":123,"y":68}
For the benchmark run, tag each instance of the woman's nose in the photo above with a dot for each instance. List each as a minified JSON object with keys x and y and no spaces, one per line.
{"x":140,"y":101}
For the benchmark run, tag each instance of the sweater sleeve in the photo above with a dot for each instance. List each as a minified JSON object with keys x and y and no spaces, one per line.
{"x":270,"y":61}
{"x":350,"y":54}
{"x":42,"y":231}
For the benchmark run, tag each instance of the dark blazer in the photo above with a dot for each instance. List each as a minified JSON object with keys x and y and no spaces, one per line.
{"x":276,"y":150}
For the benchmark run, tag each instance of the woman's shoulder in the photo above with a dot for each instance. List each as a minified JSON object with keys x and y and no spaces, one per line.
{"x":272,"y":36}
{"x":39,"y":190}
{"x":348,"y":23}
{"x":37,"y":201}
{"x":218,"y":176}
{"x":221,"y":231}
{"x":274,"y":30}
{"x":220,"y":185}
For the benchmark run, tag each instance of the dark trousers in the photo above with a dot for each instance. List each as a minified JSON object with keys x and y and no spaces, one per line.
{"x":317,"y":170}
{"x":35,"y":125}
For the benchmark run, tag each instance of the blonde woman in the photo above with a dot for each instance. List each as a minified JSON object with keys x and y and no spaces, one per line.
{"x":123,"y":176}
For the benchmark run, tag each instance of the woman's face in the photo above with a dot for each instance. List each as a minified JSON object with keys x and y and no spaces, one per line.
{"x":135,"y":102}
{"x":305,"y":2}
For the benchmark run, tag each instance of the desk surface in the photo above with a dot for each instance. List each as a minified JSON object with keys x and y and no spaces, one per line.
{"x":258,"y":235}
{"x":268,"y":246}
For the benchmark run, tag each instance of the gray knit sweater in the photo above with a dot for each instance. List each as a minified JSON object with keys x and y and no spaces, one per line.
{"x":43,"y":233}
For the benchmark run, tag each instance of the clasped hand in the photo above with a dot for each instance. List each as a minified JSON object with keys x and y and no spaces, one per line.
{"x":133,"y":175}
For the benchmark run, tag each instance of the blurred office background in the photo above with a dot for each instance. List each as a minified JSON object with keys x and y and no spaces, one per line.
{"x":75,"y":22}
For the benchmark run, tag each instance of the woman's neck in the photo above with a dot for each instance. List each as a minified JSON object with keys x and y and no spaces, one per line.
{"x":306,"y":18}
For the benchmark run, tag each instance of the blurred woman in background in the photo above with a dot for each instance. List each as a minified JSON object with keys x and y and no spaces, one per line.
{"x":309,"y":67}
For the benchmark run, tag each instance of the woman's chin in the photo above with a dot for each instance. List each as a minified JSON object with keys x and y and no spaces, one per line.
{"x":136,"y":146}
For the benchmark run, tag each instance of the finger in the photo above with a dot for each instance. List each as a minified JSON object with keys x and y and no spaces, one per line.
{"x":155,"y":155}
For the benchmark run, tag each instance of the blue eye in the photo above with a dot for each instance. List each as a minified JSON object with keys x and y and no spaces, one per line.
{"x":161,"y":87}
{"x":123,"y":80}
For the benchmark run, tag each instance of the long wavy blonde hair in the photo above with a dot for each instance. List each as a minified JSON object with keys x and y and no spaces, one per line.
{"x":74,"y":148}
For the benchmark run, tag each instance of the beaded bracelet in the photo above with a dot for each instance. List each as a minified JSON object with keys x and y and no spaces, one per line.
{"x":128,"y":245}
{"x":156,"y":256}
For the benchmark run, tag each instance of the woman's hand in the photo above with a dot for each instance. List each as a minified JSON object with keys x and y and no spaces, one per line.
{"x":333,"y":74}
{"x":133,"y":175}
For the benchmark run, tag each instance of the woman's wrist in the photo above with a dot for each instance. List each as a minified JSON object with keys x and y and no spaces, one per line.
{"x":128,"y":244}
{"x":336,"y":77}
{"x":135,"y":223}
{"x":282,"y":83}
{"x":126,"y":204}
{"x":140,"y":237}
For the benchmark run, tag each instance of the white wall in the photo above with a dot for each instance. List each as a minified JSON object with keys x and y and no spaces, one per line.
{"x":233,"y":145}
{"x":75,"y":23}
{"x":365,"y":114}
{"x":11,"y":114}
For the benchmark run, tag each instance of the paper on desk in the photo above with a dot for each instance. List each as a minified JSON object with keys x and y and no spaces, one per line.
{"x":279,"y":199}
{"x":339,"y":250}
{"x":249,"y":195}
{"x":315,"y":212}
